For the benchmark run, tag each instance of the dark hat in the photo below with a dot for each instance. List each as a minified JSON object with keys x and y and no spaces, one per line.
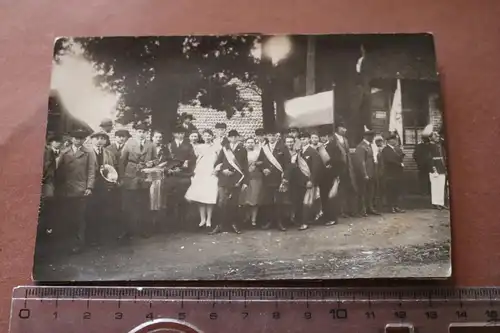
{"x":293,"y":129}
{"x":106,"y":122}
{"x":100,"y":134}
{"x":271,"y":131}
{"x":259,"y":131}
{"x":392,"y":136}
{"x":324,"y":132}
{"x":233,"y":133}
{"x":79,"y":134}
{"x":122,"y":133}
{"x":141,"y":126}
{"x":340,"y":124}
{"x":186,"y":115}
{"x":179,"y":129}
{"x":304,"y":135}
{"x":221,"y":125}
{"x":368,"y":132}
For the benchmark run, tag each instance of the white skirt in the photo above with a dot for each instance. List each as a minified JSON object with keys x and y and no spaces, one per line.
{"x":438,"y":186}
{"x":203,"y":189}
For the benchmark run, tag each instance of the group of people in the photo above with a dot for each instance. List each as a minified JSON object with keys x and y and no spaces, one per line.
{"x":266,"y":180}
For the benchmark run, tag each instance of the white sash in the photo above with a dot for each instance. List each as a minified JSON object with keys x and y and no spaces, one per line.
{"x":325,"y":157}
{"x":234,"y":163}
{"x":272,"y":159}
{"x":303,"y":166}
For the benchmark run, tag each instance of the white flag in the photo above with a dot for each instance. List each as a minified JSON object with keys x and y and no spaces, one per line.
{"x":396,"y":115}
{"x":312,"y":110}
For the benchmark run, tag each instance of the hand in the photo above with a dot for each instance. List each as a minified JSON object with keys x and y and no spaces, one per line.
{"x":87,"y":192}
{"x":243,"y":187}
{"x":251,"y":168}
{"x":402,"y":165}
{"x":227,"y":172}
{"x":367,"y":178}
{"x":266,"y":172}
{"x":328,"y":166}
{"x":218,"y":167}
{"x":309,"y":184}
{"x":149,"y":164}
{"x":185,"y":165}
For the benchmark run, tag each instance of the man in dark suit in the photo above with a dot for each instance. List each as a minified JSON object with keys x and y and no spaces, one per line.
{"x":231,"y":167}
{"x":220,"y":134}
{"x":48,"y":205}
{"x":342,"y":167}
{"x":100,"y":203}
{"x":309,"y":171}
{"x":75,"y":179}
{"x":121,"y":137}
{"x":179,"y":170}
{"x":392,"y":159}
{"x":327,"y":150}
{"x":135,"y":156}
{"x":186,"y":120}
{"x":421,"y":156}
{"x":364,"y":166}
{"x":275,"y":166}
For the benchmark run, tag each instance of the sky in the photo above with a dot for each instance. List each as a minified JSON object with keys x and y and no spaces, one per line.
{"x":73,"y":78}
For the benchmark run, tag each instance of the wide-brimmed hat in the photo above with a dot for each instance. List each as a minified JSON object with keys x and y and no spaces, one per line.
{"x":259,"y":131}
{"x":106,"y":122}
{"x":368,"y":132}
{"x":304,"y":135}
{"x":100,"y":134}
{"x":123,"y":133}
{"x":179,"y":129}
{"x":186,"y":115}
{"x":221,"y":126}
{"x":79,"y":134}
{"x":141,"y":126}
{"x":233,"y":133}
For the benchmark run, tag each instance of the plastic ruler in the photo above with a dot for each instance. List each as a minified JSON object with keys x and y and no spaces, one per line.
{"x":264,"y":310}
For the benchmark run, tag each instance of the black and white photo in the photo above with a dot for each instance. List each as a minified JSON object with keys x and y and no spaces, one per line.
{"x":244,"y":157}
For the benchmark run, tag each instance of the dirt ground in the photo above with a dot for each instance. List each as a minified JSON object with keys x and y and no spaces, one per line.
{"x":413,"y":244}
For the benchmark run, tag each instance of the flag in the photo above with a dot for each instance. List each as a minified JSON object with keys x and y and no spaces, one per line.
{"x":396,"y":115}
{"x":309,"y":111}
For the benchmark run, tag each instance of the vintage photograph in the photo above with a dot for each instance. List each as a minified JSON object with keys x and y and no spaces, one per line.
{"x":244,"y":157}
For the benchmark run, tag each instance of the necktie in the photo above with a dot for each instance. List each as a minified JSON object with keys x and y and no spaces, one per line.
{"x":142,"y":145}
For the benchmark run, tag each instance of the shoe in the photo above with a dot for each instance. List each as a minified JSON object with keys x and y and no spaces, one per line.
{"x":399,"y":210}
{"x":344,"y":215}
{"x":303,"y":227}
{"x":202,"y":223}
{"x":393,"y":210}
{"x":216,"y":230}
{"x":254,"y":223}
{"x":373,"y":212}
{"x":266,"y":226}
{"x":281,"y":227}
{"x":235,"y":229}
{"x":363,"y":215}
{"x":209,"y":224}
{"x":329,"y":223}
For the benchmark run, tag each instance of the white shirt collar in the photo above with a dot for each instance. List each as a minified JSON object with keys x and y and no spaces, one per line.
{"x":340,"y":137}
{"x":305,"y":147}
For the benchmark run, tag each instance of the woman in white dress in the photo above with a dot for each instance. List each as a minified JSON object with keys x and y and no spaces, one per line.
{"x":203,"y":189}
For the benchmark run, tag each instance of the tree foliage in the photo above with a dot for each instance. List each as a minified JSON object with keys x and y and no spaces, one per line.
{"x":153,"y":75}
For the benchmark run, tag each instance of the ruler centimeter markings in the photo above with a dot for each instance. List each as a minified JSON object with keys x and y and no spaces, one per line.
{"x":269,"y":310}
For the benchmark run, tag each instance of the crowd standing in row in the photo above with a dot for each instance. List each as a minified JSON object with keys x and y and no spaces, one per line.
{"x":262,"y":181}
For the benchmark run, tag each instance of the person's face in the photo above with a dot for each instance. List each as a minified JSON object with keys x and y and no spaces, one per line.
{"x":141,"y":134}
{"x":207,"y":137}
{"x":369,"y":139}
{"x":342,"y":131}
{"x":272,"y":137}
{"x":294,"y":134}
{"x":250,"y":143}
{"x":393,"y":142}
{"x":77,"y":141}
{"x":107,"y":128}
{"x":314,"y":139}
{"x":56,"y":145}
{"x":233,"y":139}
{"x":187,"y":120}
{"x":121,"y":139}
{"x":435,"y":137}
{"x":260,"y":138}
{"x":324,"y":138}
{"x":157,"y":138}
{"x":220,"y":132}
{"x":304,"y":141}
{"x":193,"y":138}
{"x":289,"y":142}
{"x":379,"y":143}
{"x":179,"y":136}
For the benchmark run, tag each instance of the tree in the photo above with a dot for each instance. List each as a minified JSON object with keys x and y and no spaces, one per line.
{"x":153,"y":75}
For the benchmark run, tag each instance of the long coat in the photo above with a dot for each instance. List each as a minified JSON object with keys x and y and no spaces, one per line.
{"x":341,"y":161}
{"x":316,"y":166}
{"x":241,"y":156}
{"x":364,"y":164}
{"x":107,"y":158}
{"x":76,"y":172}
{"x":132,"y":160}
{"x":392,"y":159}
{"x":50,"y":161}
{"x":283,"y":157}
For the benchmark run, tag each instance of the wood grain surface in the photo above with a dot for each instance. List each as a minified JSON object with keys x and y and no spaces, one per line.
{"x":468,"y":47}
